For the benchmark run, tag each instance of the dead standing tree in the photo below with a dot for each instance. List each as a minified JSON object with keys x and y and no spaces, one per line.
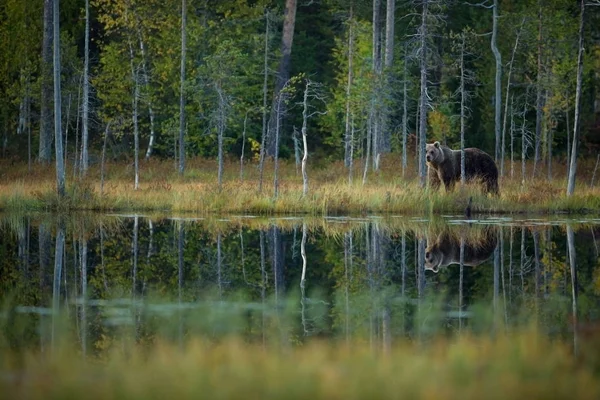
{"x":312,"y":91}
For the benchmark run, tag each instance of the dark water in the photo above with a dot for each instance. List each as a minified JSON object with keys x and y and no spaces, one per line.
{"x":95,"y":279}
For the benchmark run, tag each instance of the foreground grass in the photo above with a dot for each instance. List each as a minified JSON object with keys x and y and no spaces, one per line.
{"x":523,"y":365}
{"x":162,"y":190}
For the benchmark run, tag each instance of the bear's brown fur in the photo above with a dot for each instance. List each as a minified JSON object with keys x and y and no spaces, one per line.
{"x":446,"y":250}
{"x":444,"y":167}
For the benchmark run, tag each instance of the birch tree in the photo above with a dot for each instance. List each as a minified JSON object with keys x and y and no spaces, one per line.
{"x":577,"y":119}
{"x":508,"y":85}
{"x":60,"y":163}
{"x":423,"y":97}
{"x":182,"y":89}
{"x":86,"y":93}
{"x":45,"y":144}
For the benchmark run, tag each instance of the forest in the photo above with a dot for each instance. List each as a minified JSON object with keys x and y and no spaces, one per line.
{"x":349,"y":90}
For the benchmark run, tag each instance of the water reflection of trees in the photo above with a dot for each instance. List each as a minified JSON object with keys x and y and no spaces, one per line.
{"x":356,"y":279}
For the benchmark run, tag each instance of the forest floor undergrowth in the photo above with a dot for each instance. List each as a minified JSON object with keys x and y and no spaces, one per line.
{"x":162,"y":189}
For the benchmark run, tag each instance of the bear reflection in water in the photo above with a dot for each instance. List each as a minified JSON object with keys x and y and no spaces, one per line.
{"x":446,"y":249}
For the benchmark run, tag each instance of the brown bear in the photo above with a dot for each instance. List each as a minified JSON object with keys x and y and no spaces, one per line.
{"x":444,"y":166}
{"x":446,"y":249}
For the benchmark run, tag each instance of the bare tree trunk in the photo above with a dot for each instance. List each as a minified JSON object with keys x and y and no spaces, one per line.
{"x":304,"y":144}
{"x":66,"y":130}
{"x":86,"y":93}
{"x":45,"y":148}
{"x":278,"y":117}
{"x":404,"y":114}
{"x":523,"y":141}
{"x":369,"y":128}
{"x":182,"y":89}
{"x":351,"y":164}
{"x":60,"y":166}
{"x":389,"y":33}
{"x":540,"y":98}
{"x":221,"y":125}
{"x":386,"y":138}
{"x":103,"y":159}
{"x":462,"y":111}
{"x":498,"y":98}
{"x":148,"y":93}
{"x":577,"y":121}
{"x":508,"y":82}
{"x":263,"y":138}
{"x":423,"y":97}
{"x":348,"y":141}
{"x":375,"y":119}
{"x":136,"y":133}
{"x":512,"y":137}
{"x":243,"y":147}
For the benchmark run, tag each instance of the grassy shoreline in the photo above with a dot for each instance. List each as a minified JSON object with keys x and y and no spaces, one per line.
{"x":163,"y":190}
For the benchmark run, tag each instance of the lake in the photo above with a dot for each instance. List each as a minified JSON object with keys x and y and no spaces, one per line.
{"x":94,"y":279}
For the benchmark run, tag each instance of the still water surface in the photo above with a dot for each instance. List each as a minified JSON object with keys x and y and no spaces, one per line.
{"x":93,"y":279}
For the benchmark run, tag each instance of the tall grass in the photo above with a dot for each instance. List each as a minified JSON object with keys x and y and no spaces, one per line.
{"x":161,"y":189}
{"x":523,"y":365}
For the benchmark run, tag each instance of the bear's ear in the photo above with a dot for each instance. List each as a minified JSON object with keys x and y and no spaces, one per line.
{"x":437,"y":144}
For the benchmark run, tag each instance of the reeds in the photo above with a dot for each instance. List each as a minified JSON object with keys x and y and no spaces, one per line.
{"x":162,"y":190}
{"x":522,"y":365}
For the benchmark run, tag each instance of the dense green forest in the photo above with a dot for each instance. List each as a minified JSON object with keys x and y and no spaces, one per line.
{"x":351,"y":75}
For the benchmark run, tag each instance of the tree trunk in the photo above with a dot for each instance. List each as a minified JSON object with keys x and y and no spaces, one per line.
{"x":86,"y":93}
{"x":508,"y":82}
{"x":60,"y":165}
{"x":512,"y":138}
{"x":243,"y":147}
{"x":276,"y":153}
{"x":285,"y":64}
{"x":305,"y":146}
{"x":386,"y":136}
{"x":423,"y":97}
{"x":351,"y":165}
{"x":539,"y":99}
{"x":348,"y":142}
{"x":375,"y":117}
{"x":498,"y":99}
{"x":368,"y":151}
{"x":103,"y":161}
{"x":148,"y":94}
{"x":136,"y":133}
{"x":577,"y":120}
{"x":182,"y":89}
{"x":45,"y":148}
{"x":462,"y":112}
{"x":220,"y":132}
{"x":404,"y":115}
{"x":263,"y":139}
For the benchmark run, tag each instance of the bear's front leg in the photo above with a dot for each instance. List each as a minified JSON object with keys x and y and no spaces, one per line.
{"x":434,"y":179}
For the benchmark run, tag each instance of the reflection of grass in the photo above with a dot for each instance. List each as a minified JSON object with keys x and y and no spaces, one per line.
{"x":385,"y":191}
{"x":522,"y":365}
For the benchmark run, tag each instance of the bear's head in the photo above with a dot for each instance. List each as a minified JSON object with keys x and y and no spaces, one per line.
{"x":433,"y":258}
{"x":434,"y":153}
